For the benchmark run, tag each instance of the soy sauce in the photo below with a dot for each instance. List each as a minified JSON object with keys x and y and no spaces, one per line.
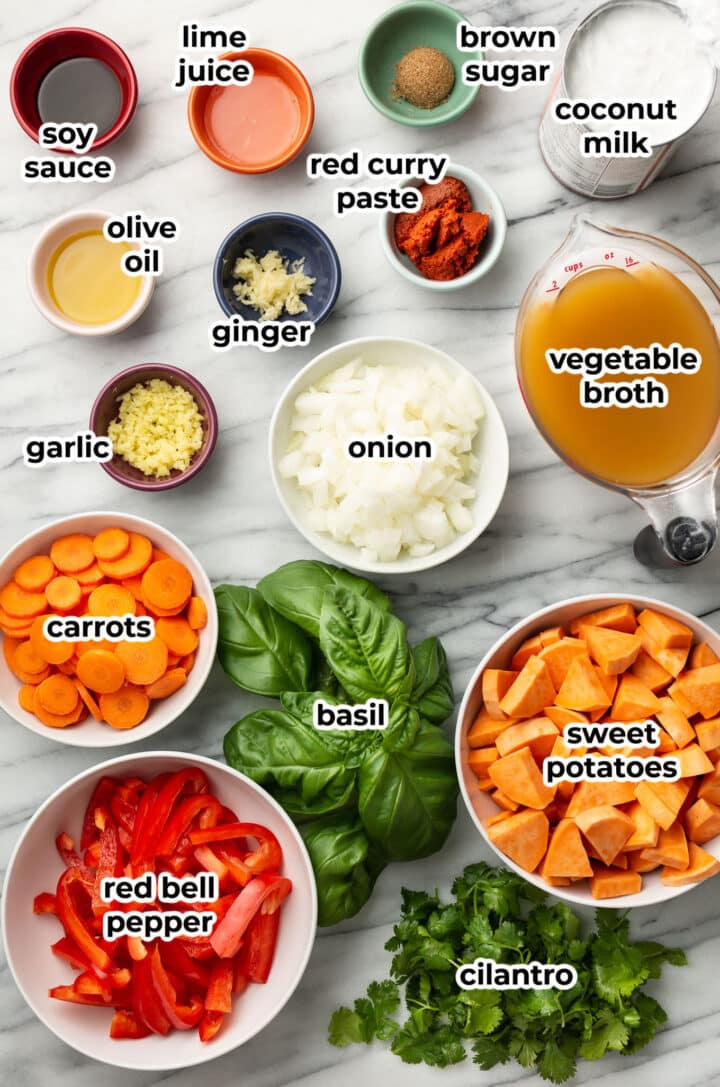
{"x":81,"y":90}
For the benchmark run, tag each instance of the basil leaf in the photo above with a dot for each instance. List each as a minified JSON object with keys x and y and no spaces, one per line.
{"x":257,"y":647}
{"x":296,"y":590}
{"x":408,"y":798}
{"x":349,"y":743}
{"x":365,"y":646}
{"x":292,"y":761}
{"x":432,"y":693}
{"x":346,"y":866}
{"x":402,"y":727}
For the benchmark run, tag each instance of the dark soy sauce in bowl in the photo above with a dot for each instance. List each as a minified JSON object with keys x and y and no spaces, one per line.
{"x":81,"y":90}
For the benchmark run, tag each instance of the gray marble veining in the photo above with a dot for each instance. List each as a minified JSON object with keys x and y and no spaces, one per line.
{"x":555,"y":534}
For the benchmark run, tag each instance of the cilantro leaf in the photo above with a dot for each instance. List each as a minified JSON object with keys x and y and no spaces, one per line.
{"x":438,"y":1048}
{"x":608,"y":1033}
{"x":557,"y":1061}
{"x":345,"y":1028}
{"x":489,"y":1051}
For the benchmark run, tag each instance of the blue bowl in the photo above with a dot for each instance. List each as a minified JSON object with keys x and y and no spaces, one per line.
{"x":293,"y":237}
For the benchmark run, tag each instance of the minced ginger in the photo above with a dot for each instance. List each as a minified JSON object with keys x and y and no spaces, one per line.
{"x":159,"y":428}
{"x":271,"y":284}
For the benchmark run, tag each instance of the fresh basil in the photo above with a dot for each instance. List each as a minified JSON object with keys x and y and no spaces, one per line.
{"x":365,"y":646}
{"x":432,"y":693}
{"x":402,"y":728}
{"x":345,"y":865}
{"x":297,"y":589}
{"x":293,"y":761}
{"x":408,"y":798}
{"x":258,"y":648}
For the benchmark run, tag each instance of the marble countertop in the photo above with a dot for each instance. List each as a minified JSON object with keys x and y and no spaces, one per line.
{"x":555,"y":534}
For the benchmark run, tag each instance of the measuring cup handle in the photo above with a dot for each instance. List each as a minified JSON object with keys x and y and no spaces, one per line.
{"x":683,"y":525}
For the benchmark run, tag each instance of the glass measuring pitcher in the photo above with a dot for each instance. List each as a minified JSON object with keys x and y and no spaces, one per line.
{"x":618,"y":360}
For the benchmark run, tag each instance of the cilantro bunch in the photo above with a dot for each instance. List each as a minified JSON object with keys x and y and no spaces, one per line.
{"x":497,"y":915}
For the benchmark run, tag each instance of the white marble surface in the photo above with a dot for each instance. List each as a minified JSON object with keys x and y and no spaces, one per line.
{"x":555,"y":534}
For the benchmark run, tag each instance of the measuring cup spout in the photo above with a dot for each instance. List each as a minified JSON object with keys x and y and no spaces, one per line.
{"x":683,"y":524}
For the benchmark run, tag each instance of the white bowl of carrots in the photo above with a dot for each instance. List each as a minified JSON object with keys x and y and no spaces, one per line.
{"x":648,"y":868}
{"x":121,"y":1028}
{"x":103,"y":693}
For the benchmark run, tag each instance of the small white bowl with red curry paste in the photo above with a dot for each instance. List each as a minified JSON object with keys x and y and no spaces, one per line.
{"x":454,"y":238}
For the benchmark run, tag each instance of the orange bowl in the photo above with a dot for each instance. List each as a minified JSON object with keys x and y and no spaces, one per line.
{"x":277,"y":106}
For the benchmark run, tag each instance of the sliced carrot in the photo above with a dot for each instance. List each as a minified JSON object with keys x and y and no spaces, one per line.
{"x":134,"y":585}
{"x":172,"y":681}
{"x":197,"y":613}
{"x":12,"y":622}
{"x":187,"y":663}
{"x":161,"y":613}
{"x":27,"y":659}
{"x":63,"y":593}
{"x":9,"y":647}
{"x":87,"y":647}
{"x":58,"y":695}
{"x":125,"y":708}
{"x":111,"y":600}
{"x":52,"y":652}
{"x":135,"y":561}
{"x":21,"y":604}
{"x":72,"y":553}
{"x":26,"y":697}
{"x":101,"y":671}
{"x":144,"y":662}
{"x":54,"y":720}
{"x":34,"y":574}
{"x":88,"y":699}
{"x":111,"y":544}
{"x":158,"y":555}
{"x":167,"y":584}
{"x":178,"y":635}
{"x":90,"y":578}
{"x":68,"y":668}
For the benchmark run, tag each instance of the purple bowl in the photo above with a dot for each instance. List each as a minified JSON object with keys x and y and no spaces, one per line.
{"x":105,"y":410}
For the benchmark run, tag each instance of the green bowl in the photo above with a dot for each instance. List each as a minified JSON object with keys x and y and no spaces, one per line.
{"x":402,"y":28}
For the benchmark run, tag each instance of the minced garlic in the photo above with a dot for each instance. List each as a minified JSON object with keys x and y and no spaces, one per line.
{"x":159,"y":428}
{"x":268,"y":286}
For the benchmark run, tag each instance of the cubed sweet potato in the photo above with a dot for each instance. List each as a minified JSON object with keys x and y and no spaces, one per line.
{"x":518,"y":776}
{"x":593,"y":794}
{"x":672,"y":660}
{"x":649,"y":672}
{"x":613,"y":650}
{"x":633,"y":701}
{"x":656,"y":808}
{"x":615,"y":883}
{"x":485,"y":729}
{"x":503,"y":801}
{"x":701,"y":655}
{"x":529,"y":648}
{"x":561,"y":716}
{"x":679,"y":698}
{"x":560,"y":655}
{"x":710,"y":786}
{"x":551,"y":635}
{"x":674,"y":721}
{"x":566,"y":855}
{"x":671,"y":849}
{"x":692,"y":761}
{"x":537,"y":733}
{"x":638,"y":863}
{"x":607,"y":829}
{"x":522,"y":837}
{"x":616,"y":617}
{"x":702,"y":821}
{"x":531,"y":692}
{"x":496,"y":682}
{"x":646,"y":829}
{"x":582,"y":689}
{"x":708,"y":733}
{"x":701,"y":687}
{"x":480,"y":759}
{"x":666,"y":632}
{"x":702,"y":866}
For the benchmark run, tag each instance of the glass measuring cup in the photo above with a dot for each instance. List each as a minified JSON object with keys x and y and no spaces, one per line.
{"x":608,"y":289}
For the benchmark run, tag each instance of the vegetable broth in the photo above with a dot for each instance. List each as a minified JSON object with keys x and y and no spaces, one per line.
{"x":611,"y":308}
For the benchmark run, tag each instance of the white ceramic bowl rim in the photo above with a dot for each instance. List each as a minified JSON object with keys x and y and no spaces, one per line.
{"x":63,"y":225}
{"x":347,"y":555}
{"x":163,"y":712}
{"x":488,"y":255}
{"x":653,"y":891}
{"x":206,"y":1051}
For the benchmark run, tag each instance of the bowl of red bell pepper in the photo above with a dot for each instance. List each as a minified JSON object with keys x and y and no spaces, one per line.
{"x":171,"y":990}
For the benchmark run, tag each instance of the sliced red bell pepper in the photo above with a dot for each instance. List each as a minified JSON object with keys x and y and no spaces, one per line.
{"x":265,"y":891}
{"x":125,"y":1024}
{"x":154,"y":818}
{"x":74,"y":924}
{"x":206,"y":858}
{"x":240,"y":982}
{"x":66,"y":992}
{"x":145,"y":1002}
{"x":44,"y":903}
{"x":219,"y":992}
{"x":65,"y":949}
{"x":136,"y":948}
{"x":66,"y":848}
{"x":110,"y":864}
{"x":92,"y":985}
{"x":267,"y":857}
{"x":231,"y":856}
{"x":101,"y":796}
{"x":206,"y":806}
{"x":210,"y":1024}
{"x":177,"y":959}
{"x":181,"y":1016}
{"x":258,"y":950}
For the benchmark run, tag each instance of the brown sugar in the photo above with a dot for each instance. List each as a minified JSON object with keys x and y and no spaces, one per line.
{"x":424,"y":77}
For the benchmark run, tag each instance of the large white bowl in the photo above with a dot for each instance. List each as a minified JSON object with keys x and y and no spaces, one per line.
{"x":481,"y":806}
{"x":484,"y":199}
{"x":491,"y":448}
{"x":162,"y":712}
{"x":35,"y":867}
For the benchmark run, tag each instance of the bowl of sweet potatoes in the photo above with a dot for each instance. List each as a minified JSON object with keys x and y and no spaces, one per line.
{"x":588,"y":750}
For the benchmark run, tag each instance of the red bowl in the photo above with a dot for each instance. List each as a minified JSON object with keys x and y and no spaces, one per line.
{"x":51,"y":49}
